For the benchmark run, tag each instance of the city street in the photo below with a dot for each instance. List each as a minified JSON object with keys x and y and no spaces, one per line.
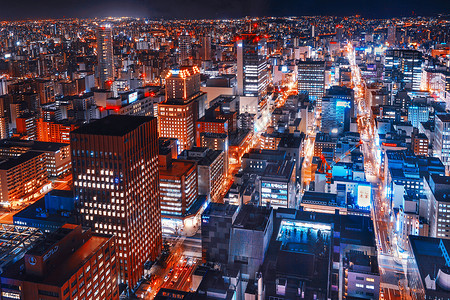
{"x":392,"y":272}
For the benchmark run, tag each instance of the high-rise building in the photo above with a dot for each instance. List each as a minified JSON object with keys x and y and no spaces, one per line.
{"x":337,"y":108}
{"x":70,"y":263}
{"x":210,"y":166}
{"x":441,"y":145}
{"x":205,"y":50}
{"x":217,"y":220}
{"x":105,"y":54}
{"x":311,"y":79}
{"x":115,"y":171}
{"x":185,"y":47}
{"x":182,"y":107}
{"x":404,"y":66}
{"x":252,"y":75}
{"x":3,"y":86}
{"x":392,"y":34}
{"x":437,"y":189}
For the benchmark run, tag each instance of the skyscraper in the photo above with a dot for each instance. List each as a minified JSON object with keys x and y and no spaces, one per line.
{"x":311,"y":79}
{"x":184,"y":44}
{"x":392,"y":33}
{"x":252,"y":73}
{"x":441,"y":145}
{"x":105,"y":54}
{"x":178,"y":113}
{"x":115,"y":171}
{"x":404,"y":66}
{"x":337,"y":107}
{"x":205,"y":50}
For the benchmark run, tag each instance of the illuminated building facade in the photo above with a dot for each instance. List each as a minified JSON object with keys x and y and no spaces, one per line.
{"x":115,"y":171}
{"x":210,"y":166}
{"x":178,"y":187}
{"x":22,"y":177}
{"x":54,"y":131}
{"x":70,"y":263}
{"x":337,"y":106}
{"x":57,"y":155}
{"x":404,"y":66}
{"x":185,"y":47}
{"x":441,"y":145}
{"x":311,"y":79}
{"x":252,"y":75}
{"x":178,"y":113}
{"x":105,"y":54}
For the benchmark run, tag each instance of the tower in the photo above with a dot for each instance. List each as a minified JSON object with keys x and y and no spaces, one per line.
{"x":179,"y":112}
{"x":116,"y":182}
{"x":311,"y":79}
{"x":252,"y":74}
{"x":184,"y":44}
{"x":105,"y":54}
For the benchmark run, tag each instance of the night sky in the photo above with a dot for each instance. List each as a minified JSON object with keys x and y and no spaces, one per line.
{"x":21,"y":9}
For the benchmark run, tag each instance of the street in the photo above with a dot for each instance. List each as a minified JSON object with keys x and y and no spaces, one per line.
{"x":391,"y":267}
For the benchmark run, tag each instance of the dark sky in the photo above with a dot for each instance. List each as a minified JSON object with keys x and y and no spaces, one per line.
{"x":20,"y":9}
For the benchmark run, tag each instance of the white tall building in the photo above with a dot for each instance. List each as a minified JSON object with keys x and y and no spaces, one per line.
{"x":105,"y":54}
{"x":441,"y":145}
{"x":252,"y":75}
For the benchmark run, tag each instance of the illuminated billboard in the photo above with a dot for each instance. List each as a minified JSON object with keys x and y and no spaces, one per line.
{"x":343,"y":103}
{"x":132,"y":97}
{"x":364,"y":195}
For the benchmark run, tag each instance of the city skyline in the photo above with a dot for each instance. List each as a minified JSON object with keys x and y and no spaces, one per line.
{"x":216,"y":9}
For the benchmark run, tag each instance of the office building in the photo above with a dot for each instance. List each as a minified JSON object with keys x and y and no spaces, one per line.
{"x":337,"y":110}
{"x":178,"y":186}
{"x":417,"y":114}
{"x":437,"y":190}
{"x":419,"y":144}
{"x":105,"y":54}
{"x":22,"y":178}
{"x":249,"y":238}
{"x":441,"y":144}
{"x":185,"y":48}
{"x":57,"y":155}
{"x":50,"y":212}
{"x":72,"y":262}
{"x":216,"y":141}
{"x":55,"y":131}
{"x":362,"y":278}
{"x":252,"y":75}
{"x":184,"y":104}
{"x":205,"y":50}
{"x":211,"y":171}
{"x":404,"y":66}
{"x":116,"y":180}
{"x":217,"y":220}
{"x":392,"y":35}
{"x":311,"y":79}
{"x":428,"y":268}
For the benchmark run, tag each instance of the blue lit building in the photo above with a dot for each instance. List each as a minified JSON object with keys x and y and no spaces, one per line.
{"x":337,"y":109}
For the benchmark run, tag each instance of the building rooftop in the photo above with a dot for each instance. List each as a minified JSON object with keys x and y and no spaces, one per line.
{"x":113,"y":125}
{"x":32,"y":145}
{"x":220,"y":210}
{"x":428,"y":255}
{"x":15,"y":241}
{"x":178,"y":168}
{"x":253,"y":218}
{"x":67,"y":265}
{"x":15,"y":161}
{"x":444,"y":117}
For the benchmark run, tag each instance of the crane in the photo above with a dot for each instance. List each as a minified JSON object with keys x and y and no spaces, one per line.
{"x":327,"y":168}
